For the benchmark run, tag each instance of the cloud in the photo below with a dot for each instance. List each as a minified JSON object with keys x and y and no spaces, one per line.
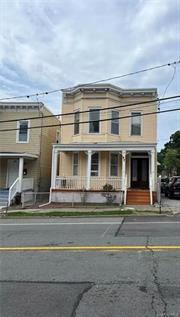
{"x":47,"y":45}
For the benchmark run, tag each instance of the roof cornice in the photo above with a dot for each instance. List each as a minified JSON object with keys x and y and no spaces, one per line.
{"x":111,"y":88}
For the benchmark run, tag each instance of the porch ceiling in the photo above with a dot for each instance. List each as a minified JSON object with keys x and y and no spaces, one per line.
{"x":17,"y":155}
{"x":105,"y":146}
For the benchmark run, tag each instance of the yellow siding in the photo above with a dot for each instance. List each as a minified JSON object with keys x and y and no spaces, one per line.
{"x":85,"y":102}
{"x":40,"y":144}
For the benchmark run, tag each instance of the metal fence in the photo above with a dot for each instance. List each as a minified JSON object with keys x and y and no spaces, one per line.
{"x":34,"y":199}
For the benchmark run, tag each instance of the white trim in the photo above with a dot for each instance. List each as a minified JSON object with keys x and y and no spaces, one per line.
{"x":77,"y":110}
{"x":141,"y":120}
{"x":110,"y":122}
{"x":94,"y":108}
{"x":98,"y":147}
{"x":99,"y":164}
{"x":28,"y":132}
{"x":72,"y":167}
{"x":17,"y":155}
{"x":129,"y":163}
{"x":118,"y":166}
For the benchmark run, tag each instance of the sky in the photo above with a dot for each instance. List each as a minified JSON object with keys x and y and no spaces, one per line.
{"x":47,"y":45}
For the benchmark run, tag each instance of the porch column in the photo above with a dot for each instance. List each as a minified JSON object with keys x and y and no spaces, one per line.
{"x":88,"y":185}
{"x":123,"y":169}
{"x":21,"y":165}
{"x":54,"y":168}
{"x":153,"y":168}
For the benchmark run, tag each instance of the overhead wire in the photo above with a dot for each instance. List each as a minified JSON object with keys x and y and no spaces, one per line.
{"x":92,"y":82}
{"x":101,"y":109}
{"x":100,"y":120}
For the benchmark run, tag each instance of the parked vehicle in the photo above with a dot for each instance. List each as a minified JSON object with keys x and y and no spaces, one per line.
{"x":164,"y":182}
{"x":172,"y":189}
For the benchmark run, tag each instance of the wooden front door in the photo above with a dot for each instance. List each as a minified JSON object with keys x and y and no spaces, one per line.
{"x":140,"y":173}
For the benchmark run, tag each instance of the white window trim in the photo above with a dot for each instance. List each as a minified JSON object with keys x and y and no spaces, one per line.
{"x":28,"y":132}
{"x":99,"y":160}
{"x":73,"y":164}
{"x":111,"y":122}
{"x":77,"y":110}
{"x":110,"y":164}
{"x":94,"y":108}
{"x":132,"y":135}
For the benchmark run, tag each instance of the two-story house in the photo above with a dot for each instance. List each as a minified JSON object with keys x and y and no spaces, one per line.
{"x":113,"y":150}
{"x":25,"y":152}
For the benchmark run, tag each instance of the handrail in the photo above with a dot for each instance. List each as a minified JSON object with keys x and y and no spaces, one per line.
{"x":12,"y":191}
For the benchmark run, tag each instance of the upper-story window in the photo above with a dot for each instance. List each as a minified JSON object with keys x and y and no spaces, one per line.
{"x":114,"y":164}
{"x":75,"y":164}
{"x":23,"y":131}
{"x":76,"y":122}
{"x":115,"y":122}
{"x":136,"y":123}
{"x":94,"y":117}
{"x":95,"y":164}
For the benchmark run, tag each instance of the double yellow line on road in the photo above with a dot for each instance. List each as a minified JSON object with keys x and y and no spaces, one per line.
{"x":155,"y":248}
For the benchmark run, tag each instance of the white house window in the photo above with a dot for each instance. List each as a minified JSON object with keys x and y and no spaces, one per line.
{"x":76,"y":122}
{"x":115,"y":122}
{"x":114,"y":164}
{"x":23,"y":131}
{"x":136,"y":123}
{"x":95,"y":164}
{"x":75,"y":164}
{"x":94,"y":124}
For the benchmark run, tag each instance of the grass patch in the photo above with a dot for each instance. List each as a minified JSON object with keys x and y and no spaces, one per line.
{"x":76,"y":213}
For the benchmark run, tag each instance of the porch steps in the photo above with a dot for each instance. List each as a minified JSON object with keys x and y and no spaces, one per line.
{"x":138,"y":197}
{"x":4,"y":195}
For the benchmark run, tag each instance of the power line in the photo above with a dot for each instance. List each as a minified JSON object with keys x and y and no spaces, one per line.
{"x":92,"y":82}
{"x":101,"y":109}
{"x":89,"y":121}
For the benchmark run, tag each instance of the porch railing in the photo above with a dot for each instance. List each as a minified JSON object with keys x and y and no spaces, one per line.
{"x":80,"y":182}
{"x":13,"y":190}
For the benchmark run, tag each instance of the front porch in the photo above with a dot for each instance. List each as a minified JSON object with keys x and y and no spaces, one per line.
{"x":15,"y":175}
{"x":102,"y":168}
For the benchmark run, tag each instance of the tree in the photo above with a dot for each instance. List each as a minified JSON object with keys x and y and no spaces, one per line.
{"x":172,"y":162}
{"x":165,"y":156}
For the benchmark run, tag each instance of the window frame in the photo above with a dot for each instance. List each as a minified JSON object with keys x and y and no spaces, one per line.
{"x":113,"y":121}
{"x":140,"y":117}
{"x":113,"y":153}
{"x":94,"y":109}
{"x":18,"y":132}
{"x":73,"y":165}
{"x":98,"y":165}
{"x":76,"y":123}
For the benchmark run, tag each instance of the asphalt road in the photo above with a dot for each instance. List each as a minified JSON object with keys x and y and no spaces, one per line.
{"x":70,"y":279}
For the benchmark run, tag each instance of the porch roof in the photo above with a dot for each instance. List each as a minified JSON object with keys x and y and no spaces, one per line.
{"x":129,"y":146}
{"x":18,"y":154}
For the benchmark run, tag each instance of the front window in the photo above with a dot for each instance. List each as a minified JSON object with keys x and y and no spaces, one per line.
{"x":76,"y":122}
{"x":95,"y":164}
{"x":94,"y":124}
{"x":114,"y":164}
{"x":75,"y":164}
{"x":136,"y":123}
{"x":23,"y":131}
{"x":115,"y":122}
